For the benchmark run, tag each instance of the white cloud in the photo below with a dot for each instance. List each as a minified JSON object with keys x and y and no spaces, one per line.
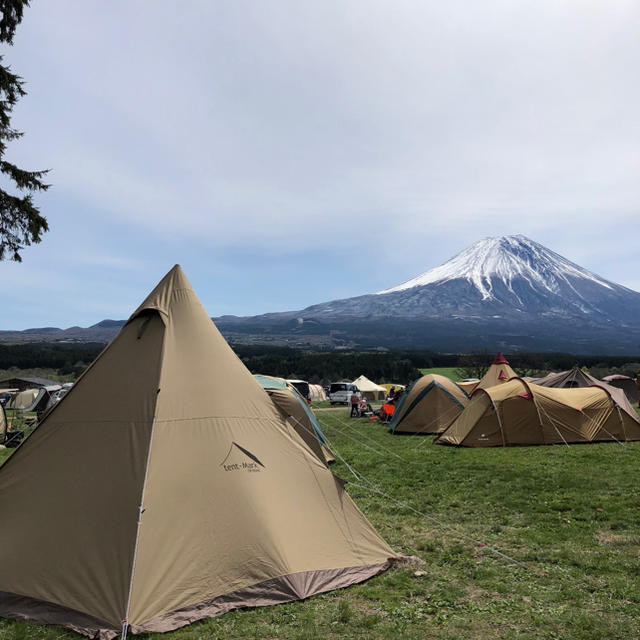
{"x":278,"y":125}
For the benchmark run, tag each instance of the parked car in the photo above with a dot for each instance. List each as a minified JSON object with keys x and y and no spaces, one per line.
{"x":303,"y":387}
{"x":341,"y":392}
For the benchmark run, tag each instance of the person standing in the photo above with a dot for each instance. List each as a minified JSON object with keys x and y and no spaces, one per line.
{"x":354,"y":405}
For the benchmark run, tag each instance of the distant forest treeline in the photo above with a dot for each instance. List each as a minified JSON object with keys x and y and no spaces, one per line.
{"x":324,"y":366}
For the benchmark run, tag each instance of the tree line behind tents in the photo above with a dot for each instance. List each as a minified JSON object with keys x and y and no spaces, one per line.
{"x":329,"y":366}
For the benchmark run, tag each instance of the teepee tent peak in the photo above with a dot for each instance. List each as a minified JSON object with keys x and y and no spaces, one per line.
{"x":160,"y":298}
{"x":196,"y":495}
{"x":500,"y":359}
{"x":498,"y":373}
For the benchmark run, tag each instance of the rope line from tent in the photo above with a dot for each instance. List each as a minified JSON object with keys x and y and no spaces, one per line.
{"x":423,"y":432}
{"x":589,"y":418}
{"x":622,"y":444}
{"x":443,"y":525}
{"x":551,"y":421}
{"x":615,"y":404}
{"x":367,"y":437}
{"x":366,"y":446}
{"x":375,"y":489}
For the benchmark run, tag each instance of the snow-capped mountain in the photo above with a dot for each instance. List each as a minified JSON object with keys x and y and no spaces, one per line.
{"x":506,"y":292}
{"x":508,"y":259}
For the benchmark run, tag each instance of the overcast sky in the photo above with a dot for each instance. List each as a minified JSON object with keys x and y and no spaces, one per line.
{"x":287,"y":153}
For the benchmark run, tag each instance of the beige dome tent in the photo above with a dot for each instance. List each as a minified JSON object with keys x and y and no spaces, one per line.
{"x":520,"y":413}
{"x":429,"y":405}
{"x":499,"y":372}
{"x":166,"y":487}
{"x":370,"y":390}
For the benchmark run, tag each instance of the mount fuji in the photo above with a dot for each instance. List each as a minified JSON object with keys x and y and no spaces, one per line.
{"x":506,"y":292}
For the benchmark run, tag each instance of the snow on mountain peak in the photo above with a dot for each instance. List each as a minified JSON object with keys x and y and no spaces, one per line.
{"x":505,"y":258}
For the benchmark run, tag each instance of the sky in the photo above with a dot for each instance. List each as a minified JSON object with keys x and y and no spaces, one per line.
{"x":287,"y":153}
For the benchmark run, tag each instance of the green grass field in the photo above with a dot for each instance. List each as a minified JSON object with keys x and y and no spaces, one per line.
{"x":450,"y":372}
{"x":568,"y":516}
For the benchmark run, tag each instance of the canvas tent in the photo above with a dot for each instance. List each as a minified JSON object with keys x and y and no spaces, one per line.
{"x":468,"y":385}
{"x":32,"y":399}
{"x":294,"y":409}
{"x":521,"y":413}
{"x":171,"y":489}
{"x":317,"y":393}
{"x":429,"y":405}
{"x":576,"y":378}
{"x":370,"y":390}
{"x":627,"y":384}
{"x":3,"y":425}
{"x":390,"y":385}
{"x":573,"y":378}
{"x":499,"y":372}
{"x":21,"y":384}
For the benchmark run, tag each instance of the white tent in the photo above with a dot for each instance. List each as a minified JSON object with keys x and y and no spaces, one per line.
{"x":317,"y":393}
{"x":370,"y":390}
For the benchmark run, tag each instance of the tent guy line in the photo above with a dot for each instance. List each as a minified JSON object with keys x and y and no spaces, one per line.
{"x":375,"y":489}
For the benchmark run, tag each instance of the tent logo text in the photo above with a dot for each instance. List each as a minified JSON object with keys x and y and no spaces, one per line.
{"x":249,"y":462}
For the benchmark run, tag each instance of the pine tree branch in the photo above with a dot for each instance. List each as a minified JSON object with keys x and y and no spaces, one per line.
{"x":11,"y":18}
{"x":20,"y":221}
{"x":25,"y":180}
{"x":20,"y":225}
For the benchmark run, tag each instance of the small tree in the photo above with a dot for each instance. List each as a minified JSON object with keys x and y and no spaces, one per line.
{"x":473,"y":365}
{"x":20,"y":221}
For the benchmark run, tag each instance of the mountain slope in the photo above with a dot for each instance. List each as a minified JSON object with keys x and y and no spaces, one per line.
{"x":507,"y":292}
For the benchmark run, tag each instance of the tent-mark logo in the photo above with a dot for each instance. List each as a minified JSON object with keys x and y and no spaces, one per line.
{"x":252,"y":465}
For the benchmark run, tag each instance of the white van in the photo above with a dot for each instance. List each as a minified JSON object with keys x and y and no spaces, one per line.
{"x":341,"y":392}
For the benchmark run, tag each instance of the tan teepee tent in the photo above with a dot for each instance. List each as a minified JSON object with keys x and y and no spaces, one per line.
{"x":430,"y":405}
{"x":521,"y":413}
{"x":499,"y":372}
{"x":166,"y":487}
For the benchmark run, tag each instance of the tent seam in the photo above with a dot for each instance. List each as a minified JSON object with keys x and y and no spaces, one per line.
{"x":125,"y":621}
